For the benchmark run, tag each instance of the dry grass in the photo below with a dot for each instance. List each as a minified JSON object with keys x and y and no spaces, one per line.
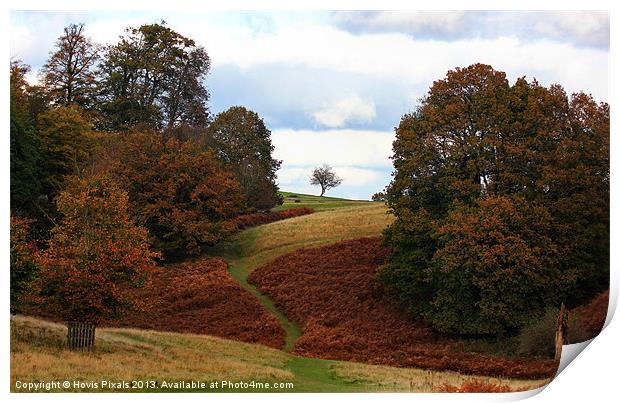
{"x":126,"y":354}
{"x":417,"y":380}
{"x":259,"y":245}
{"x":37,"y":354}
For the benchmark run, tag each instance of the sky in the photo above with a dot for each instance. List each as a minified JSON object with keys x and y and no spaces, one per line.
{"x":331,"y":86}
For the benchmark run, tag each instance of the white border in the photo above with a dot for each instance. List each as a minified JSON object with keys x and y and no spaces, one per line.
{"x":592,"y":376}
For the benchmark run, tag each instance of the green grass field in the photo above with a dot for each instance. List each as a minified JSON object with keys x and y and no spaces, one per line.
{"x":293,"y":200}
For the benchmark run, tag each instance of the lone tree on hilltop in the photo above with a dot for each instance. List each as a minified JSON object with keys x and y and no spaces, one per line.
{"x":325,"y":177}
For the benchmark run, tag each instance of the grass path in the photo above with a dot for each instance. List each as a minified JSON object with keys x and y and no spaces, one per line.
{"x":258,"y":245}
{"x":292,"y":331}
{"x":335,"y":220}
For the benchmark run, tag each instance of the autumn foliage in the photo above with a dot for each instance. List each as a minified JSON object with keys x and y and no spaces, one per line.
{"x":333,"y":294}
{"x":593,"y":314}
{"x":265,"y":217}
{"x":497,"y":250}
{"x":201,"y":297}
{"x":96,"y":255}
{"x":181,"y":193}
{"x":501,"y":198}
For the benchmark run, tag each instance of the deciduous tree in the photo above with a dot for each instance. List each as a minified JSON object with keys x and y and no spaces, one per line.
{"x":70,"y":73}
{"x":180,"y":192}
{"x":243,"y":143}
{"x":23,"y":267}
{"x":25,"y":143}
{"x":96,"y":255}
{"x":325,"y":177}
{"x":480,"y":167}
{"x":154,"y":76}
{"x":66,"y":136}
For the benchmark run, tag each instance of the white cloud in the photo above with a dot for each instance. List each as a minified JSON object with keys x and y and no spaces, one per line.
{"x":350,"y":175}
{"x":352,"y":109}
{"x":294,"y":175}
{"x":588,"y":27}
{"x":410,"y":21}
{"x":397,"y":55}
{"x":355,"y":176}
{"x":334,"y":147}
{"x":406,"y":59}
{"x":32,"y":78}
{"x":581,"y":27}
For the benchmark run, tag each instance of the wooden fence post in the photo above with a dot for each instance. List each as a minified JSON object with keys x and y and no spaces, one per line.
{"x":561,"y":331}
{"x":80,"y":335}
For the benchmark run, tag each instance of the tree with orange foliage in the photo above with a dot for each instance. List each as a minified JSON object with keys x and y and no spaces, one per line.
{"x":180,"y":192}
{"x":96,"y":254}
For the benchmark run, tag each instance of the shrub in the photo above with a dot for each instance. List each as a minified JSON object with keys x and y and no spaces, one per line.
{"x":379,"y":196}
{"x":592,"y":316}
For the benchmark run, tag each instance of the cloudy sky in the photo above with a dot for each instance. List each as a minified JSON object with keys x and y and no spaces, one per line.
{"x":332,"y":86}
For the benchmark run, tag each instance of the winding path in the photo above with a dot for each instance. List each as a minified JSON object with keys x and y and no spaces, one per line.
{"x":291,"y":330}
{"x":259,"y":245}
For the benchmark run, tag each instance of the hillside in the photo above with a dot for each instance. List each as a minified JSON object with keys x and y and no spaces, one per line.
{"x":333,"y":294}
{"x":259,"y":245}
{"x":292,"y":200}
{"x":126,"y":354}
{"x":148,"y":354}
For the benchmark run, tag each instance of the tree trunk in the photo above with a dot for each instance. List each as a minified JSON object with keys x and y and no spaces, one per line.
{"x":322,"y":191}
{"x":80,"y":336}
{"x":561,"y":331}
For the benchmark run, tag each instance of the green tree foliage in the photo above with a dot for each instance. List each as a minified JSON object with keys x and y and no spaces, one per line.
{"x":96,"y":255}
{"x":501,"y":195}
{"x":66,"y":145}
{"x":180,"y":192}
{"x":25,"y":144}
{"x":69,"y":75}
{"x":23,"y":267}
{"x":154,"y":76}
{"x":243,"y":143}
